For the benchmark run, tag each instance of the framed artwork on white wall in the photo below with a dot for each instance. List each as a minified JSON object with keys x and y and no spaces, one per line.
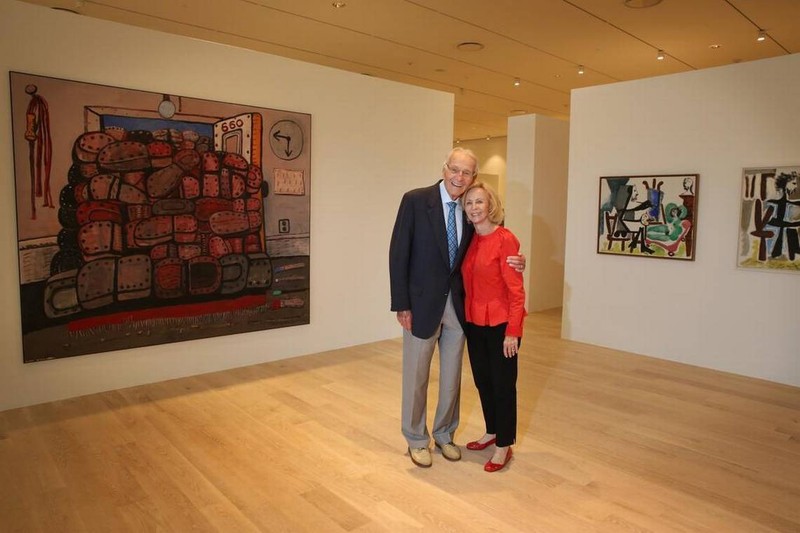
{"x":769,"y":225}
{"x":648,"y":216}
{"x":147,"y":218}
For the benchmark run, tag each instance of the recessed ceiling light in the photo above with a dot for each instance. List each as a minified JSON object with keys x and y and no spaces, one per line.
{"x":641,"y":3}
{"x":470,"y":46}
{"x":516,"y":82}
{"x":762,"y":36}
{"x":715,"y":46}
{"x":660,"y":56}
{"x":338,"y":5}
{"x":581,"y":70}
{"x":488,"y":137}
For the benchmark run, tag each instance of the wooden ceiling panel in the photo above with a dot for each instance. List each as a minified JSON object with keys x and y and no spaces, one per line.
{"x":559,"y":31}
{"x":686,"y":30}
{"x":542,"y":42}
{"x":779,"y":18}
{"x":477,"y":124}
{"x":564,"y":31}
{"x":504,"y":106}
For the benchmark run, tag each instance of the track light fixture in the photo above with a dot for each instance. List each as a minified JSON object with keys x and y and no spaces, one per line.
{"x":762,"y":36}
{"x":580,"y":69}
{"x":516,"y":82}
{"x":660,"y":55}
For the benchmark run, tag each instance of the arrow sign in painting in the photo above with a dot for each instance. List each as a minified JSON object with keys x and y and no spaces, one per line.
{"x":286,"y":139}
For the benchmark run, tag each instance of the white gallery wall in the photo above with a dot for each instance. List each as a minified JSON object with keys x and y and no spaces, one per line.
{"x":371,"y":141}
{"x":705,"y":312}
{"x":538,"y":155}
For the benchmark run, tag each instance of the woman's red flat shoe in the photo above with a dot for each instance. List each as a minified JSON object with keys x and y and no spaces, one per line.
{"x":476,"y":445}
{"x":494,"y":467}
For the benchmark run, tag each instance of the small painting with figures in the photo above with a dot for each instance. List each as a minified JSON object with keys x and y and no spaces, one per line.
{"x":648,"y":216}
{"x":770,"y":219}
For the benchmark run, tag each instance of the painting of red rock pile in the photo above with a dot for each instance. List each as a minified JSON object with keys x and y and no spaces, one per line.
{"x":149,"y":218}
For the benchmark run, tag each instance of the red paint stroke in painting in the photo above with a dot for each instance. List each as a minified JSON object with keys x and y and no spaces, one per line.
{"x":175,"y":311}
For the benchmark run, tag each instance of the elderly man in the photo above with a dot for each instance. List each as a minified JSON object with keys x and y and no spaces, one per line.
{"x":429,"y":240}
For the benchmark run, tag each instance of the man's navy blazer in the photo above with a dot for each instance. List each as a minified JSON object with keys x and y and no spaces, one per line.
{"x":419,"y":264}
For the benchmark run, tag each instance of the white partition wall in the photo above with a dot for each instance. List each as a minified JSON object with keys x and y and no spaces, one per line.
{"x":371,"y":140}
{"x":538,"y":149}
{"x":706,"y":312}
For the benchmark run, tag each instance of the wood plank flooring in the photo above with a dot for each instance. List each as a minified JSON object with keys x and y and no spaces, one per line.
{"x":608,"y":441}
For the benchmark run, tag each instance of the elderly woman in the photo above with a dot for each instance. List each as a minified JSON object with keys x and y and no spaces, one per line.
{"x":495,"y":309}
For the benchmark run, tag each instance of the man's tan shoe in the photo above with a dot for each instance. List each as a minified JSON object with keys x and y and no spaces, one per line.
{"x":450,"y":451}
{"x":420,"y":456}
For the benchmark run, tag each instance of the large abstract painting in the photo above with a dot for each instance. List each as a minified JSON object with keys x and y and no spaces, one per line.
{"x":770,"y":219}
{"x":648,"y":216}
{"x":147,"y":218}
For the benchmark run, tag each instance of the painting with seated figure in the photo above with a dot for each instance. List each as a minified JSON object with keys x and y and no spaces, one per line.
{"x":770,"y":219}
{"x":648,"y":216}
{"x":146,"y":218}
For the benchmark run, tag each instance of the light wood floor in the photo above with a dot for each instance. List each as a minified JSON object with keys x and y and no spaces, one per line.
{"x":608,"y":441}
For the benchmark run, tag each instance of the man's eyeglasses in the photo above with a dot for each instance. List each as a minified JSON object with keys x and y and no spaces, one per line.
{"x":462,"y":171}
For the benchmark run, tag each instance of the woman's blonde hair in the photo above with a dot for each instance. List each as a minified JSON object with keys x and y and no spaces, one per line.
{"x":496,"y":212}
